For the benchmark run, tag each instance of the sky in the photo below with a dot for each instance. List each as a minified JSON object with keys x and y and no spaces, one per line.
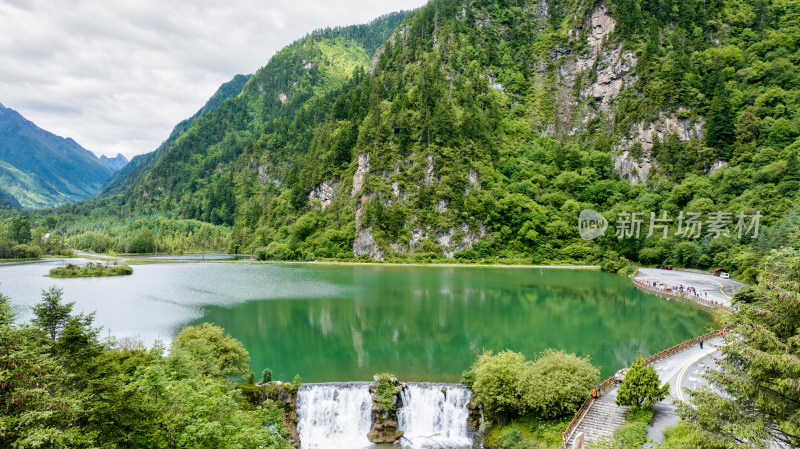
{"x":118,"y":75}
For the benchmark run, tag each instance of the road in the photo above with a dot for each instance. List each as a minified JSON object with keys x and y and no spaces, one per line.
{"x":683,"y":371}
{"x":718,"y":289}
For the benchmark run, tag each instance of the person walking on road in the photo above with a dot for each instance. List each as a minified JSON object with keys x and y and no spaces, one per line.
{"x":701,"y":346}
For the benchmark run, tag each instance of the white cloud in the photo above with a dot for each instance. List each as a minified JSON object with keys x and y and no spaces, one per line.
{"x":116,"y":76}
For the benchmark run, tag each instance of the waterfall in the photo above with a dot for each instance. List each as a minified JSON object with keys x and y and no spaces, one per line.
{"x":431,"y":418}
{"x":334,"y":416}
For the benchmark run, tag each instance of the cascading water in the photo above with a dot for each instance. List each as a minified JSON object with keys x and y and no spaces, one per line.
{"x":431,"y":418}
{"x":334,"y":416}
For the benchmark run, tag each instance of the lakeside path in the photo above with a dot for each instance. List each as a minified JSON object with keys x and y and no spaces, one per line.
{"x":716,"y":289}
{"x":682,"y":370}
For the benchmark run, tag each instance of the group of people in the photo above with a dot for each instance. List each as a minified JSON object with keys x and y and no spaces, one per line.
{"x":688,"y":292}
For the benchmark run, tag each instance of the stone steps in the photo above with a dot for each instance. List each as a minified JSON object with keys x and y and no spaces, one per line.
{"x":603,"y":417}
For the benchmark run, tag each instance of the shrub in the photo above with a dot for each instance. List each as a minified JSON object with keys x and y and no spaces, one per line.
{"x":513,"y":440}
{"x":266,"y":376}
{"x":553,"y":385}
{"x":557,"y":383}
{"x":26,"y":252}
{"x":385,"y":391}
{"x":468,"y":378}
{"x":496,"y":383}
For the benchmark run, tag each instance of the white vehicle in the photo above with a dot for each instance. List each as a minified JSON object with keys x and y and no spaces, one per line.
{"x":724,"y":275}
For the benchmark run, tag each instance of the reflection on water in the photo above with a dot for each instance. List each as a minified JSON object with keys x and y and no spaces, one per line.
{"x":427,"y":323}
{"x":335,"y":323}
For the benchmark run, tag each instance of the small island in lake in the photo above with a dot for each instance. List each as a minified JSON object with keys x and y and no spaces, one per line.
{"x":90,"y":270}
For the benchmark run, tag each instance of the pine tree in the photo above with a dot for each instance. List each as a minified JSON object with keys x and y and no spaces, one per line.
{"x":641,"y":386}
{"x":720,"y":126}
{"x":51,"y":314}
{"x":756,"y":398}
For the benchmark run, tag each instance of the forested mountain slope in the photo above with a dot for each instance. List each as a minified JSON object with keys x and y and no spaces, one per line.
{"x":39,"y":169}
{"x":480,"y":129}
{"x":123,"y":178}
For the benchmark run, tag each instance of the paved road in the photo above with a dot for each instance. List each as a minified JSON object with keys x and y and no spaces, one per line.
{"x":684,"y":371}
{"x":718,"y":289}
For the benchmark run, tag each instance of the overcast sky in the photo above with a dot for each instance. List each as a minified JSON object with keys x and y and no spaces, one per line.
{"x":118,"y":75}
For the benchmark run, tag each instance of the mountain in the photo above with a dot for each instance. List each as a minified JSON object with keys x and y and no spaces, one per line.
{"x":39,"y":169}
{"x":115,"y":163}
{"x":480,"y":129}
{"x":125,"y":176}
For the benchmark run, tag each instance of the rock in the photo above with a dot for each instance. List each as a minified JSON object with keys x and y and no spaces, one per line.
{"x":324,"y":193}
{"x":716,"y":166}
{"x":473,"y":181}
{"x":361,"y":172}
{"x":429,"y":179}
{"x":631,"y":169}
{"x":365,"y":244}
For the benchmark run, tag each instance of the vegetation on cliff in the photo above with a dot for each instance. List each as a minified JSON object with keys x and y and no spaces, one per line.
{"x":479,"y":130}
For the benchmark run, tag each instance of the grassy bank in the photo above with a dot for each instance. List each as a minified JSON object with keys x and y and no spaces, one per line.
{"x":527,"y":431}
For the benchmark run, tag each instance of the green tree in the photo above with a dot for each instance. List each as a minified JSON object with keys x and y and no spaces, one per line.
{"x":755,"y":398}
{"x":51,"y":315}
{"x":20,"y":230}
{"x":211,"y":351}
{"x":496,"y":383}
{"x":720,"y":127}
{"x":641,"y":386}
{"x":557,"y":383}
{"x":144,"y":242}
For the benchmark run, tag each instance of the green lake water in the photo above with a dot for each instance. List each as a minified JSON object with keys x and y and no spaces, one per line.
{"x":345,"y":322}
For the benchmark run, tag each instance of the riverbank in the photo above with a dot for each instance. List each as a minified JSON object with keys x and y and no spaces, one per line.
{"x":192,"y":258}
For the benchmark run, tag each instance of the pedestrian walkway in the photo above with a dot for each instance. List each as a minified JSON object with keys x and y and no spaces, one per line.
{"x":603,"y":417}
{"x":682,"y":369}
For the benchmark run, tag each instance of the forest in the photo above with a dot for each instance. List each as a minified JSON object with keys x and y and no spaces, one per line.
{"x":470,"y":133}
{"x":464,"y":131}
{"x":63,"y":386}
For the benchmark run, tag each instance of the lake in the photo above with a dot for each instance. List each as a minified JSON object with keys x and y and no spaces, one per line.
{"x":348,"y":322}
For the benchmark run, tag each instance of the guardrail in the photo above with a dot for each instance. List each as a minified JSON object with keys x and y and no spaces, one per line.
{"x":612,"y":381}
{"x":681,"y":297}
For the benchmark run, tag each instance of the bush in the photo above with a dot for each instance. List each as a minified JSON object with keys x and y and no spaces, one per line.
{"x":496,"y":383}
{"x":90,"y":270}
{"x":632,"y":435}
{"x":26,"y":252}
{"x":557,"y":383}
{"x":513,"y":440}
{"x":468,"y":378}
{"x":553,"y":385}
{"x":385,"y":391}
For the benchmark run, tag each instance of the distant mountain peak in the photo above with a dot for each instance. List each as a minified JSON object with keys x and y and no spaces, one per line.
{"x":40,"y":169}
{"x":115,"y":163}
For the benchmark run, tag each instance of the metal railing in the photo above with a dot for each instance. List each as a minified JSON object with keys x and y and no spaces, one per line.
{"x":612,"y":381}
